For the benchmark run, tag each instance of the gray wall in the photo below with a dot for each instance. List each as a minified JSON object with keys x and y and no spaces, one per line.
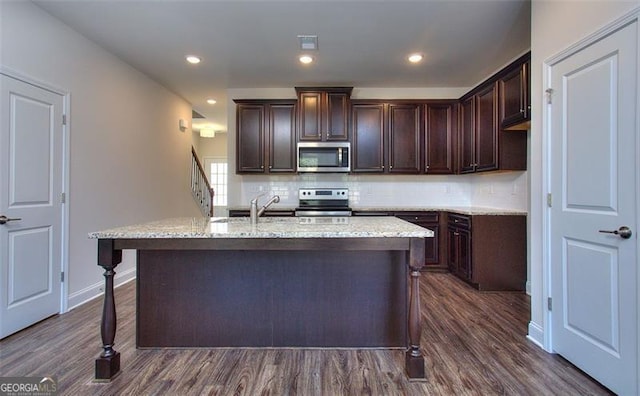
{"x":128,"y":161}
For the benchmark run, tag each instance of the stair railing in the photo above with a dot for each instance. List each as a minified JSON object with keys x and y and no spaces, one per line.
{"x":200,"y":187}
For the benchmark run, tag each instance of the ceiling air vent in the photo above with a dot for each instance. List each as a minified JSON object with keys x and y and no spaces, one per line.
{"x":308,"y":42}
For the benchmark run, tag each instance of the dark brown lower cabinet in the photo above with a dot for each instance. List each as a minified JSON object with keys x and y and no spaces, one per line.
{"x":434,"y":249}
{"x":459,"y":241}
{"x":488,"y":251}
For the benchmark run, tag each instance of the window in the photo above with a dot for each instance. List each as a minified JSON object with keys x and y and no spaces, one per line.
{"x":218,"y":180}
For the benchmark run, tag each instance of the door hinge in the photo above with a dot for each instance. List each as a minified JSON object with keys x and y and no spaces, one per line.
{"x":549,"y":92}
{"x":63,"y":198}
{"x":62,"y":277}
{"x":64,"y":119}
{"x":549,"y":200}
{"x":549,"y":303}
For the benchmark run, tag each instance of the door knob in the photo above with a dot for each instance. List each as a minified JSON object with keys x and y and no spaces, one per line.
{"x":624,"y":232}
{"x":4,"y":219}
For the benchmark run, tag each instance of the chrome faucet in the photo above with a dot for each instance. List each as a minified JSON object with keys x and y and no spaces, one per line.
{"x":255,"y":212}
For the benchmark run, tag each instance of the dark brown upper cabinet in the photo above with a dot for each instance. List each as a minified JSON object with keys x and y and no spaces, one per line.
{"x":367,"y":143}
{"x":440,"y":132}
{"x":467,"y":133}
{"x":484,"y":144}
{"x":486,"y":136}
{"x":404,"y":137}
{"x":323,"y":113}
{"x":515,"y":107}
{"x":387,"y":137}
{"x":266,"y":136}
{"x":479,"y":131}
{"x":250,"y":123}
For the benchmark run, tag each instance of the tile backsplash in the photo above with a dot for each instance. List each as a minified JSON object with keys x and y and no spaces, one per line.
{"x":508,"y":190}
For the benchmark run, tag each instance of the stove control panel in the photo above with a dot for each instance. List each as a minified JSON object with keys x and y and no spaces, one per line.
{"x":324,"y":220}
{"x":323,"y":193}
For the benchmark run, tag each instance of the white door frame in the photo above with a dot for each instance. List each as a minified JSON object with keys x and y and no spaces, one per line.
{"x":66,"y":98}
{"x":634,"y":15}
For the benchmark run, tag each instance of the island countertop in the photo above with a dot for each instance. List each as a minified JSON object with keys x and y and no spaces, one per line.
{"x":286,"y":282}
{"x":268,"y":227}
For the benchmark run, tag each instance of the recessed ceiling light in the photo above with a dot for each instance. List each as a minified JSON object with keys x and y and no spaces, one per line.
{"x":415,"y":58}
{"x":194,"y":60}
{"x":306,"y":59}
{"x":211,"y":101}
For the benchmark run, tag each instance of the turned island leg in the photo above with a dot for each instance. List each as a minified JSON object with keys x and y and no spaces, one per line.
{"x":414,"y":361}
{"x":108,"y":363}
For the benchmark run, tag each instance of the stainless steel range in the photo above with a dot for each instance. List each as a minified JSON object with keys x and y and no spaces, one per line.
{"x":317,"y":202}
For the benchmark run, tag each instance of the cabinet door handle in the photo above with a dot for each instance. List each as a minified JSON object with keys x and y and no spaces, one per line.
{"x":456,"y":233}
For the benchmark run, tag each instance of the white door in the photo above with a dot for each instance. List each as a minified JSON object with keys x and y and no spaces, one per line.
{"x":593,"y":177}
{"x":31,"y":147}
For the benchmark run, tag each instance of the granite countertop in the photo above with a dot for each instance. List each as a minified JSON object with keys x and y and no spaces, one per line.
{"x":465,"y":210}
{"x":269,"y":227}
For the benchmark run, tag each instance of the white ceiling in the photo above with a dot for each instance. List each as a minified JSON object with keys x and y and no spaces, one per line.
{"x":253,"y":44}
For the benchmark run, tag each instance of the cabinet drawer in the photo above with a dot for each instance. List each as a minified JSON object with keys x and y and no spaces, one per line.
{"x":419,"y":217}
{"x":459,"y":220}
{"x":370,"y":213}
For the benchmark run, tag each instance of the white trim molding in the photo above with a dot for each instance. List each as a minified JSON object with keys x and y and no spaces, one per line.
{"x":97,"y":289}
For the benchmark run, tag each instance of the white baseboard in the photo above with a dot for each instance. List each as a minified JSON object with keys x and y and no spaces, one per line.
{"x":96,"y":290}
{"x":528,"y":288}
{"x":536,"y":334}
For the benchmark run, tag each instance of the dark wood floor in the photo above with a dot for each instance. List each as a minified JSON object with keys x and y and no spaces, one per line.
{"x":474,"y":344}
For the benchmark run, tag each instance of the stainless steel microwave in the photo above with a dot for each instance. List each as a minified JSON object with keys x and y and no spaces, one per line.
{"x":324,"y":157}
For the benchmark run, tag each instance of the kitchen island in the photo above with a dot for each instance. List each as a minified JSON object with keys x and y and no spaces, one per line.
{"x":282,"y":283}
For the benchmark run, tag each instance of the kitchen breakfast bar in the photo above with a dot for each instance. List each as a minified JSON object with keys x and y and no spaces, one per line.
{"x":348,"y":282}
